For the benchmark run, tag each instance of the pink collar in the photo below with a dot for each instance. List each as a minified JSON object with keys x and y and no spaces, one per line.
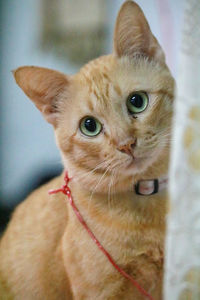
{"x":150,"y":187}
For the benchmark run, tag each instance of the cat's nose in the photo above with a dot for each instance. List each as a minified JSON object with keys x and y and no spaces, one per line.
{"x":128,"y":147}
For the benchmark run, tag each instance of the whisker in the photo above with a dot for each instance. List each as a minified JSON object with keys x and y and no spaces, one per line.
{"x":111,"y":191}
{"x":102,"y":164}
{"x":97,"y":185}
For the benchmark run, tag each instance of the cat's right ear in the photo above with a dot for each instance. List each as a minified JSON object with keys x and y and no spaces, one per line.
{"x":43,"y":86}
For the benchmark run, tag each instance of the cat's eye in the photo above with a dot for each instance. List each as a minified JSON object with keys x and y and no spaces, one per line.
{"x":90,"y":126}
{"x":137,"y":102}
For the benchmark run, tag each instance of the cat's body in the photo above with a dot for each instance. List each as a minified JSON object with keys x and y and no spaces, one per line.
{"x":46,"y":253}
{"x":44,"y":259}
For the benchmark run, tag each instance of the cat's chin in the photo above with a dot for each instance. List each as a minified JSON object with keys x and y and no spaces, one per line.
{"x":138,"y":165}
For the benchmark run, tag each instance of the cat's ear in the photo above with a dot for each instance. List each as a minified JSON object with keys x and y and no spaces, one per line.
{"x":43,"y":86}
{"x":133,"y":36}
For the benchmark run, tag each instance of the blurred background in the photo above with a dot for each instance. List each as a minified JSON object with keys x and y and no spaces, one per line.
{"x":62,"y":35}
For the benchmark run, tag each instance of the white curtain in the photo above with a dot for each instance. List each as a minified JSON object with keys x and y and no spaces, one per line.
{"x":182,"y":273}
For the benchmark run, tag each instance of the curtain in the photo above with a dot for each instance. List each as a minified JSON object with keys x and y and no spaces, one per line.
{"x":182,"y":268}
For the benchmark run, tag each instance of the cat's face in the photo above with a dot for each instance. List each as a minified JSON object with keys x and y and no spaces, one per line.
{"x":112,"y":120}
{"x":116,"y":122}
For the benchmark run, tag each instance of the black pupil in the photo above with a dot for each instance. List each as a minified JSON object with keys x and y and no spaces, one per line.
{"x":90,"y":125}
{"x":137,"y":100}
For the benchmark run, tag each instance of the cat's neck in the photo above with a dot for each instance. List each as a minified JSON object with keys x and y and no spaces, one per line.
{"x":122,"y":206}
{"x":125,"y":208}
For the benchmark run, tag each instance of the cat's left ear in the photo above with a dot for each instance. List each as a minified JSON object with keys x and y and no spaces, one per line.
{"x":44,"y":87}
{"x":133,"y":35}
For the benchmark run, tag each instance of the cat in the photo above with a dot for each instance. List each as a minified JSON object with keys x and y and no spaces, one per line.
{"x":112,"y":123}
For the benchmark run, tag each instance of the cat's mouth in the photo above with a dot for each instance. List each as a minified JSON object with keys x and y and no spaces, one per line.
{"x":137,"y":162}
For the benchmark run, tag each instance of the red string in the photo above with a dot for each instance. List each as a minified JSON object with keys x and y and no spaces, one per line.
{"x":66,"y":190}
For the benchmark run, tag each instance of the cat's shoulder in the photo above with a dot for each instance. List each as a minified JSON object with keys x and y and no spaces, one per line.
{"x":41,"y":210}
{"x":32,"y":239}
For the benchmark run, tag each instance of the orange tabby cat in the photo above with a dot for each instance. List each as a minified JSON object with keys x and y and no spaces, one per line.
{"x":112,"y":124}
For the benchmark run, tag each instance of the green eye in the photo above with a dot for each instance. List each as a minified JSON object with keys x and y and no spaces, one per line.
{"x":90,"y":126}
{"x":137,"y":102}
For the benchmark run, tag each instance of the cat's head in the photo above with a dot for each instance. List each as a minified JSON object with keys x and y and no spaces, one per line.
{"x":112,"y":120}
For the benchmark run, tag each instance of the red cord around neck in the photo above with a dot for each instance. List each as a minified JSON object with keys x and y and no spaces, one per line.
{"x":67,"y":191}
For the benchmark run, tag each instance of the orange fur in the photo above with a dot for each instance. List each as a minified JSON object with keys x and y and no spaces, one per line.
{"x":45,"y":253}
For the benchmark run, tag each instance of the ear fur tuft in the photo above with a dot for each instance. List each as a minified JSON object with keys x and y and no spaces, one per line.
{"x":43,"y":86}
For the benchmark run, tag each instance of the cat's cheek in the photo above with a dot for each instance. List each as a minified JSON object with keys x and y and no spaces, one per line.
{"x":159,"y":156}
{"x":137,"y":167}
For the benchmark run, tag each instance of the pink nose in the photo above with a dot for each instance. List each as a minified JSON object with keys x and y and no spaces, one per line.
{"x":127,"y":147}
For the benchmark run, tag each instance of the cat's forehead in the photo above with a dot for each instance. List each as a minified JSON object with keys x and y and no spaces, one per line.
{"x":109,"y":78}
{"x":97,"y":83}
{"x":98,"y":73}
{"x":100,"y":64}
